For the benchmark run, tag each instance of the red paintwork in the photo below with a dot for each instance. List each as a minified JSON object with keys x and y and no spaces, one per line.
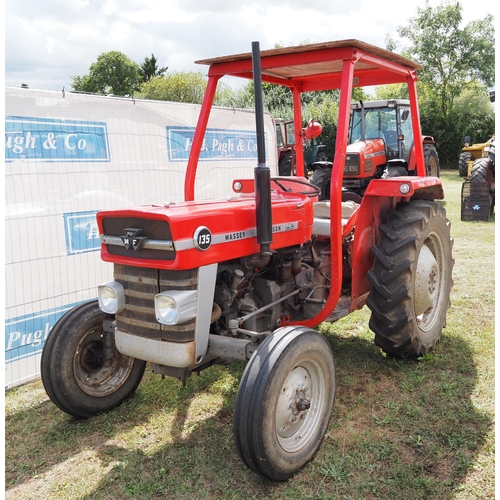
{"x":371,"y":155}
{"x":220,"y":217}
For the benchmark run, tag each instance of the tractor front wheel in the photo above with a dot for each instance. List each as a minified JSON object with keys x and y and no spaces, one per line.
{"x":284,"y":402}
{"x":321,"y":178}
{"x":411,"y":279}
{"x":463,"y":163}
{"x":82,"y":372}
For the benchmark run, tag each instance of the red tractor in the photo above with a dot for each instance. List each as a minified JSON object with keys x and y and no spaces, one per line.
{"x":198,"y":283}
{"x":314,"y":151}
{"x":380,"y":144}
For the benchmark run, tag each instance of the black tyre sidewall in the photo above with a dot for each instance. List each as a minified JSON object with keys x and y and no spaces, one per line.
{"x":57,"y":365}
{"x":431,"y":160}
{"x":321,"y":178}
{"x":285,"y":166}
{"x":257,"y":399}
{"x":392,"y":276}
{"x":482,"y":169}
{"x":463,"y":165}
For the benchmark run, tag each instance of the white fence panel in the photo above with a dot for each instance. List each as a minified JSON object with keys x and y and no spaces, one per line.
{"x":68,"y":156}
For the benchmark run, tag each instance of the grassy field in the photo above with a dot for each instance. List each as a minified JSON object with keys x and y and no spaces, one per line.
{"x":414,"y":430}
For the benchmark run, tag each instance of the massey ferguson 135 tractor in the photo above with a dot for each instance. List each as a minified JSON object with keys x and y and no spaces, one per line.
{"x":247,"y":278}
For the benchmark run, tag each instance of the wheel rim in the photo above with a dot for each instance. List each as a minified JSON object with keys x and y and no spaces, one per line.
{"x":300,"y":404}
{"x":91,"y":374}
{"x":429,"y":283}
{"x":432,"y":167}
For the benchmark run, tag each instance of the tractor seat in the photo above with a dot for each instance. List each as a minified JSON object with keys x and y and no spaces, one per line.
{"x":321,"y":224}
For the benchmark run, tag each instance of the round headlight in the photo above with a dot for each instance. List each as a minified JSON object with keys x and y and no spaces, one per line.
{"x":108,"y":299}
{"x":111,"y":297}
{"x":166,"y":309}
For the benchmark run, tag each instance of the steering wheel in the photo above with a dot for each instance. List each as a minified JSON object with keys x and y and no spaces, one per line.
{"x":312,"y":190}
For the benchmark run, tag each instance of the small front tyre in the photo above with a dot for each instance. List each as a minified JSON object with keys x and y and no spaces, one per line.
{"x":82,"y":372}
{"x":284,"y":402}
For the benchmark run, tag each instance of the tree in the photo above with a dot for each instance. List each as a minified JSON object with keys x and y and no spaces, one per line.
{"x":149,"y":68}
{"x":453,"y":58}
{"x":180,"y":87}
{"x":458,"y":62}
{"x":112,"y":73}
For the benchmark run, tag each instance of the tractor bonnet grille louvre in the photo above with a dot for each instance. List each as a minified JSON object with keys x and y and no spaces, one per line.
{"x":141,"y":285}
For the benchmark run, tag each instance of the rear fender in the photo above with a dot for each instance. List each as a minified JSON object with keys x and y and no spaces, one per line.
{"x":380,"y":196}
{"x":412,"y":162}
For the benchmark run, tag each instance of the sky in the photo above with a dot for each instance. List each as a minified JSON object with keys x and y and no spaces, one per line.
{"x":49,"y":41}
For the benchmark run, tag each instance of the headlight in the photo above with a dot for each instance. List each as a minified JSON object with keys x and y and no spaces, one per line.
{"x":176,"y":306}
{"x":111,"y":297}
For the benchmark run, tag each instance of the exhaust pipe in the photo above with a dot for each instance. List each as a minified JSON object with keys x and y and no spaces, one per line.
{"x":262,"y":174}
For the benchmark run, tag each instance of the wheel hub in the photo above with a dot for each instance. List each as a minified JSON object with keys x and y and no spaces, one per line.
{"x":293,"y":403}
{"x":95,"y":373}
{"x":426,"y":281}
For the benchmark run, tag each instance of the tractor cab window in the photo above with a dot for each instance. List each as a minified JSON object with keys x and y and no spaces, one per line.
{"x":279,"y":136}
{"x":405,"y":131}
{"x":393,"y":124}
{"x":290,"y":133}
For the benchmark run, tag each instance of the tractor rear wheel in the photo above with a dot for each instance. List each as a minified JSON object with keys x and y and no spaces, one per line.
{"x":463,"y":166}
{"x":285,"y":166}
{"x":411,"y":279}
{"x":431,"y":160}
{"x":483,"y":170}
{"x":82,"y":372}
{"x":284,"y":402}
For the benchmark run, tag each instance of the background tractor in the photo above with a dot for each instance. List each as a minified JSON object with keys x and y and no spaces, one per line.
{"x":472,"y":152}
{"x":249,"y":277}
{"x":314,"y":151}
{"x":380,"y":144}
{"x":478,"y":192}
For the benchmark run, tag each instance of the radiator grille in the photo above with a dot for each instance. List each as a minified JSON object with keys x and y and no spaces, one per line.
{"x":152,"y":229}
{"x":141,"y":285}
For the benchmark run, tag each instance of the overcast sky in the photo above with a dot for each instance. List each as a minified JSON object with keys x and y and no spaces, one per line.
{"x":49,"y":41}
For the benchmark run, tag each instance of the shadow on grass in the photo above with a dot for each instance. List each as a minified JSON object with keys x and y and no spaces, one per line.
{"x":399,"y":429}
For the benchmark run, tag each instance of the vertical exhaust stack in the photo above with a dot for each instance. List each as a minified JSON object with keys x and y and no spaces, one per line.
{"x":262,"y":174}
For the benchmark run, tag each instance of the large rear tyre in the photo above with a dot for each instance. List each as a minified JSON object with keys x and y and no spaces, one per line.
{"x":82,"y":371}
{"x":411,"y":279}
{"x":483,"y":170}
{"x":321,"y":178}
{"x":285,"y":166}
{"x":284,"y":402}
{"x":431,"y":160}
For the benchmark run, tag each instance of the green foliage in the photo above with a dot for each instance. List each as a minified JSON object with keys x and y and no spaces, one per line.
{"x":452,"y":57}
{"x":323,"y":106}
{"x":112,"y":73}
{"x":181,"y":86}
{"x":386,"y":92}
{"x":458,"y":62}
{"x":149,"y":68}
{"x":472,"y":115}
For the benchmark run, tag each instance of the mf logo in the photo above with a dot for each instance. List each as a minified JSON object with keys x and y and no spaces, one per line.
{"x":132,"y":238}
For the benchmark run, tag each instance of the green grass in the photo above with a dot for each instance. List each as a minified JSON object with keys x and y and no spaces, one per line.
{"x":414,"y":430}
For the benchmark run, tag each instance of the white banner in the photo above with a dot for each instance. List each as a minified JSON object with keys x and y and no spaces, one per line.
{"x":68,"y":156}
